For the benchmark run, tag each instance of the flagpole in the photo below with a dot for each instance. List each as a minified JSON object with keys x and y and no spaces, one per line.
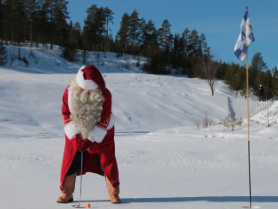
{"x":247,"y":87}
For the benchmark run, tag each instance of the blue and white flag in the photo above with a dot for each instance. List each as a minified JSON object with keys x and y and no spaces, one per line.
{"x":245,"y":37}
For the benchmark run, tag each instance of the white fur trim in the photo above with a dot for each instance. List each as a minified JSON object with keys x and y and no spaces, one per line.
{"x":97,"y":134}
{"x":111,"y":122}
{"x":85,"y":84}
{"x":71,"y":130}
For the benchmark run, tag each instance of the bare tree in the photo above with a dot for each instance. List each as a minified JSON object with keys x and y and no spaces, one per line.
{"x":210,"y":69}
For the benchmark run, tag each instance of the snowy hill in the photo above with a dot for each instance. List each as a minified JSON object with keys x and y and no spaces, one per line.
{"x":165,"y":161}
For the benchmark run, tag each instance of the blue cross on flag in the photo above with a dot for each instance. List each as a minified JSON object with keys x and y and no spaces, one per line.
{"x":245,"y":37}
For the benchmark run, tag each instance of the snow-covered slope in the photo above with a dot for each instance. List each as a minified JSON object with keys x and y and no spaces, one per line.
{"x":164,"y":160}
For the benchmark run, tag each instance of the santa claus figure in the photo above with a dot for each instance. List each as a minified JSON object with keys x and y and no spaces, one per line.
{"x":89,"y":129}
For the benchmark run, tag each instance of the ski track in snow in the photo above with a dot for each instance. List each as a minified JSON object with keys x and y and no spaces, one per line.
{"x":164,"y":160}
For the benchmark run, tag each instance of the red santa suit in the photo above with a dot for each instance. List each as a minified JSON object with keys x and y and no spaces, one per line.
{"x":102,"y":135}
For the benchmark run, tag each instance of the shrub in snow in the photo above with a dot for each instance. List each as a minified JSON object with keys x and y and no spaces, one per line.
{"x":204,"y":122}
{"x":269,"y":117}
{"x":232,"y":124}
{"x":32,"y":55}
{"x":70,"y":54}
{"x":138,"y":63}
{"x":84,"y":56}
{"x":119,"y":55}
{"x":3,"y":55}
{"x":23,"y":59}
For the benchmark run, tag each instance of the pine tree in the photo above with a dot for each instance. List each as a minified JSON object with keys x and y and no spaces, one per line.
{"x":239,"y":78}
{"x":221,"y":70}
{"x":94,"y":27}
{"x":185,"y":35}
{"x":235,"y":77}
{"x":84,"y":56}
{"x":134,"y":29}
{"x":50,"y":6}
{"x":70,"y":50}
{"x":123,"y":33}
{"x":31,"y":8}
{"x":77,"y":35}
{"x":108,"y":18}
{"x":258,"y":65}
{"x":275,"y":81}
{"x":156,"y":63}
{"x":70,"y":53}
{"x":148,"y":33}
{"x":60,"y":23}
{"x":15,"y":17}
{"x":165,"y":35}
{"x":268,"y":85}
{"x":257,"y":62}
{"x":42,"y":25}
{"x":193,"y":43}
{"x":2,"y":21}
{"x":204,"y":49}
{"x":142,"y":34}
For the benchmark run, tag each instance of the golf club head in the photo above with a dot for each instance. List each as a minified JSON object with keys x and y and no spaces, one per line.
{"x":76,"y":206}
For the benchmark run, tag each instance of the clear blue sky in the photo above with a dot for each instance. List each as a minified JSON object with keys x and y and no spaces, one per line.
{"x":219,"y":20}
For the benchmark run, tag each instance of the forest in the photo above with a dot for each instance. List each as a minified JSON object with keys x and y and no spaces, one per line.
{"x":47,"y":22}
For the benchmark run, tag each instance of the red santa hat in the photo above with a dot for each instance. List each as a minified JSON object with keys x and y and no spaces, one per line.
{"x":90,"y":78}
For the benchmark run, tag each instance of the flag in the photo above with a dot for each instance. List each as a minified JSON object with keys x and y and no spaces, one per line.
{"x":245,"y":37}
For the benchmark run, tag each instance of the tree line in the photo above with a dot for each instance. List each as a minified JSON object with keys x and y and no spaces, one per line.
{"x":45,"y":21}
{"x":259,"y":74}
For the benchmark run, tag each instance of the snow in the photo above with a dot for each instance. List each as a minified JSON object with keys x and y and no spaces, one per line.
{"x":164,"y":160}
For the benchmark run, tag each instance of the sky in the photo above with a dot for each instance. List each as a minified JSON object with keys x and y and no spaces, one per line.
{"x":219,"y":20}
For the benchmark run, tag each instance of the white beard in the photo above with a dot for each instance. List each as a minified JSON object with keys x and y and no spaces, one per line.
{"x":86,"y":108}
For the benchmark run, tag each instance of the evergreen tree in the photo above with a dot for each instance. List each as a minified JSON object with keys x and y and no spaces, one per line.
{"x":31,"y":8}
{"x":268,"y":85}
{"x":15,"y":17}
{"x":70,"y":53}
{"x":195,"y":67}
{"x":185,"y":36}
{"x":178,"y":51}
{"x":2,"y":21}
{"x":165,"y":35}
{"x":264,"y":79}
{"x":205,"y":50}
{"x":275,"y":81}
{"x":221,"y":70}
{"x":70,"y":50}
{"x":142,"y":35}
{"x":123,"y":33}
{"x":235,"y":77}
{"x":239,"y":79}
{"x":75,"y":35}
{"x":108,"y":18}
{"x":258,"y":65}
{"x":134,"y":29}
{"x":148,"y":33}
{"x":60,"y":16}
{"x":193,"y":43}
{"x":42,"y":25}
{"x":257,"y":62}
{"x":84,"y":56}
{"x":50,"y":5}
{"x":176,"y":48}
{"x":94,"y":28}
{"x":156,"y":64}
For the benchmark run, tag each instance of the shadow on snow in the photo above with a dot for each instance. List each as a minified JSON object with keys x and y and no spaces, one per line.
{"x":194,"y":199}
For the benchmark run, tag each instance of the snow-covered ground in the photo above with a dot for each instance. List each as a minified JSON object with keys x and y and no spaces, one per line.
{"x":164,"y":160}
